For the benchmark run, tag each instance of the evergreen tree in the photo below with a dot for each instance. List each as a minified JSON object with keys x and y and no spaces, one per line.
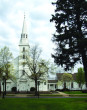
{"x":70,"y":19}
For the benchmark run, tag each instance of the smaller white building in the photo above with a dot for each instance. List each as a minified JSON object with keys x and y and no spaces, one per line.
{"x":55,"y":85}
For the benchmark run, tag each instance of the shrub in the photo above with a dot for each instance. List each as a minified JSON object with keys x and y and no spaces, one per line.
{"x":14,"y":89}
{"x":65,"y":89}
{"x":32,"y":89}
{"x":84,"y":91}
{"x":58,"y":90}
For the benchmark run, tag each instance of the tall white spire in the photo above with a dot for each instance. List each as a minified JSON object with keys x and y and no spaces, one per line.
{"x":24,"y":28}
{"x":24,"y":34}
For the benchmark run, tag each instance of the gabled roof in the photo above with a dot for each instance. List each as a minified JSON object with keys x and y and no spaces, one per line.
{"x":52,"y":81}
{"x":74,"y":76}
{"x":59,"y":76}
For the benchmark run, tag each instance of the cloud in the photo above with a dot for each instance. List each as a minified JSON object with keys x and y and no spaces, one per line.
{"x":11,"y":21}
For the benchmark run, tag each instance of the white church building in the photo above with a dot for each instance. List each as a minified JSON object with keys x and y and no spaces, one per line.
{"x":22,"y":72}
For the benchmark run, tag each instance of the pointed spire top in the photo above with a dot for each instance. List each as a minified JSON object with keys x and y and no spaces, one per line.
{"x":24,"y":15}
{"x":24,"y":29}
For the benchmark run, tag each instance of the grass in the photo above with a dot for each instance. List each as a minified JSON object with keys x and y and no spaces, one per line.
{"x":74,"y":92}
{"x":48,"y":95}
{"x":43,"y":104}
{"x":78,"y":95}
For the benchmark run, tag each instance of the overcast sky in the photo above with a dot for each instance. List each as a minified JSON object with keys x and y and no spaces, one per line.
{"x":40,"y":30}
{"x":38,"y":15}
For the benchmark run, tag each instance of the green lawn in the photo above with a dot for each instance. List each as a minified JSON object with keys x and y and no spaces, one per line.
{"x":54,"y":95}
{"x":74,"y":92}
{"x":43,"y":104}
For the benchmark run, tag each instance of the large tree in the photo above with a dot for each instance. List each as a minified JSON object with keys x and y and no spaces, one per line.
{"x":5,"y":63}
{"x":70,"y":19}
{"x":37,"y":66}
{"x":80,"y":77}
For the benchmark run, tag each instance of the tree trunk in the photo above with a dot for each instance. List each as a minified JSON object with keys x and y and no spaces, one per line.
{"x":81,"y":87}
{"x":0,"y":87}
{"x":5,"y":86}
{"x":36,"y":87}
{"x":81,"y":46}
{"x":65,"y":85}
{"x":84,"y":59}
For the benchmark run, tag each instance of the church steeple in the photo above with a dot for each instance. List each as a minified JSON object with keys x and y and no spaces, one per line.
{"x":24,"y":28}
{"x":23,"y":49}
{"x":24,"y":34}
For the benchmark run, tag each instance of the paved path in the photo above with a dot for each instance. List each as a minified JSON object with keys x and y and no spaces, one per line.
{"x":36,"y":97}
{"x":21,"y":95}
{"x":63,"y":94}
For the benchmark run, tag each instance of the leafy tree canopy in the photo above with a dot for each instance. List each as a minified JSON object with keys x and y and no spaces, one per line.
{"x":5,"y":62}
{"x":80,"y":77}
{"x":67,"y":77}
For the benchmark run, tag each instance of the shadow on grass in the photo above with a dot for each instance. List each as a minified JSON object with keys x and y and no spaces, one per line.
{"x":43,"y":104}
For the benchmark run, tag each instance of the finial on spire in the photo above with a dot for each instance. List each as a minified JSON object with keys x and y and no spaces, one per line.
{"x":24,"y":29}
{"x":24,"y":15}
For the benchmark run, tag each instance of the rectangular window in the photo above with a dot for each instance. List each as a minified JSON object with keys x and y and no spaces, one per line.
{"x":23,"y":49}
{"x":71,"y":84}
{"x":44,"y":83}
{"x":23,"y":56}
{"x":51,"y":84}
{"x":79,"y":85}
{"x":38,"y":82}
{"x":55,"y":86}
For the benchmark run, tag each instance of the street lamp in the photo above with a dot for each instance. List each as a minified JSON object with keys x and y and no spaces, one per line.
{"x":3,"y":76}
{"x":38,"y":82}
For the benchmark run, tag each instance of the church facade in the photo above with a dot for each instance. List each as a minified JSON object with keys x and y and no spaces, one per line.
{"x":21,"y":71}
